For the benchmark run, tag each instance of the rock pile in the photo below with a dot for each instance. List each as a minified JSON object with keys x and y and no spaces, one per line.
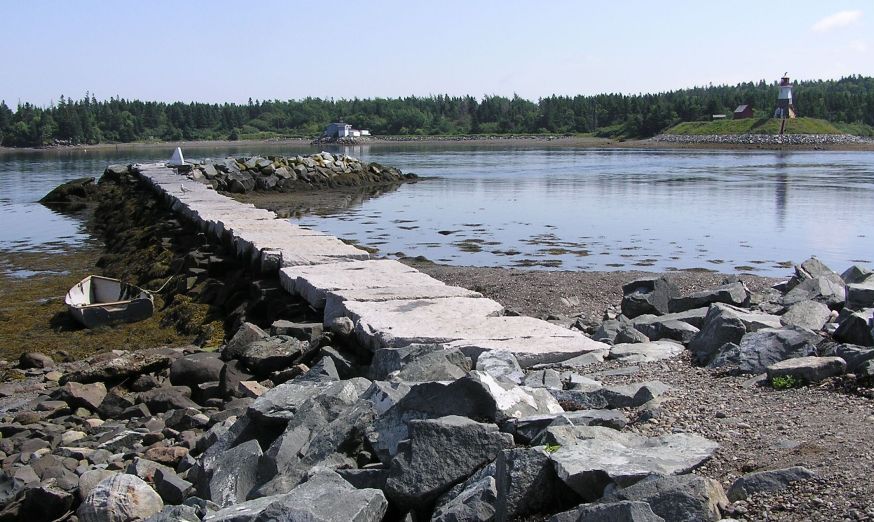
{"x":816,"y":325}
{"x":300,"y":421}
{"x":285,"y":173}
{"x":764,"y":139}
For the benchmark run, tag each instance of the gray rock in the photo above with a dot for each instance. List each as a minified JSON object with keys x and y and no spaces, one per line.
{"x":38,"y":502}
{"x":829,"y":290}
{"x":477,"y":396}
{"x":573,"y":400}
{"x":694,"y":317}
{"x":118,"y":498}
{"x":649,"y":351}
{"x":811,"y":315}
{"x":589,"y":465}
{"x":440,"y":453}
{"x":856,"y":274}
{"x":171,"y":487}
{"x":280,"y":404}
{"x":246,"y":334}
{"x":685,"y":498}
{"x":146,"y":469}
{"x":767,"y":481}
{"x":129,"y":365}
{"x":861,"y":295}
{"x":419,"y":362}
{"x":113,"y":405}
{"x":647,"y":296}
{"x":526,"y":484}
{"x":79,"y":395}
{"x":629,"y":334}
{"x":669,"y":329}
{"x":235,"y":474}
{"x":342,"y":326}
{"x":762,"y":348}
{"x":501,"y":365}
{"x":175,"y":514}
{"x":475,"y":502}
{"x":811,"y":269}
{"x":632,"y":395}
{"x":214,"y":444}
{"x":323,"y":371}
{"x":273,"y":353}
{"x":857,"y":328}
{"x":159,"y":400}
{"x":301,"y":331}
{"x":232,"y":374}
{"x":809,"y":369}
{"x":35,"y":360}
{"x":608,"y":330}
{"x":727,"y":324}
{"x":733,"y":293}
{"x":547,"y":378}
{"x":89,"y":480}
{"x":854,"y":355}
{"x":196,"y":368}
{"x":326,"y":496}
{"x":624,"y":511}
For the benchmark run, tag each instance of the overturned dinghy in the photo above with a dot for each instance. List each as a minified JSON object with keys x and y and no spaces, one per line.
{"x":97,"y":301}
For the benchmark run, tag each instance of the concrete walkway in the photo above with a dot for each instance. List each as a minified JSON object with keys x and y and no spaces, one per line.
{"x":390,"y":304}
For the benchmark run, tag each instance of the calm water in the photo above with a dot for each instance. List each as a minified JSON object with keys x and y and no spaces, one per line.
{"x":560,"y":208}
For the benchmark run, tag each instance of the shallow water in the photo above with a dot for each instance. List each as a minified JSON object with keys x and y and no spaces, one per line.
{"x":553,"y":208}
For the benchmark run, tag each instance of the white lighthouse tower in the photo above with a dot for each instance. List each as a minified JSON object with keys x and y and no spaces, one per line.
{"x":785,"y":108}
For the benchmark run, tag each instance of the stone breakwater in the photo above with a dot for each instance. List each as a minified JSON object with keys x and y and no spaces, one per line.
{"x":281,"y":173}
{"x":764,"y":139}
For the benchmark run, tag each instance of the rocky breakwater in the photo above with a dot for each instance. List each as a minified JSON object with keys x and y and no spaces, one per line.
{"x":764,"y":139}
{"x":816,"y":325}
{"x":288,"y":173}
{"x":319,"y":421}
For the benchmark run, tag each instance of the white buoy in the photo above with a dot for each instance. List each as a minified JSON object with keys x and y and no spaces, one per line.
{"x":176,"y":159}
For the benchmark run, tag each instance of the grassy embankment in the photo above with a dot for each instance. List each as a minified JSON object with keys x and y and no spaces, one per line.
{"x":767,"y":126}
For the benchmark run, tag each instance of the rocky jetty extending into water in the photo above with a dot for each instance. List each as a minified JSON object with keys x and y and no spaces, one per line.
{"x":287,"y":173}
{"x":763,"y":139}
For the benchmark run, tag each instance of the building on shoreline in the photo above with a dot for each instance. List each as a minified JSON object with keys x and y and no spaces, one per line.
{"x":341,"y":130}
{"x":785,"y":108}
{"x":743,"y":112}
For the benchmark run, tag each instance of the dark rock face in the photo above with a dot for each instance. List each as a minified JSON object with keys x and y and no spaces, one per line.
{"x":733,"y":293}
{"x":760,"y":349}
{"x":726,"y":324}
{"x":647,"y":296}
{"x":195,"y":369}
{"x":79,"y":190}
{"x":857,"y":328}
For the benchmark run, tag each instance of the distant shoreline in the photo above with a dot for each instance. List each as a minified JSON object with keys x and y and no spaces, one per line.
{"x":404,"y":141}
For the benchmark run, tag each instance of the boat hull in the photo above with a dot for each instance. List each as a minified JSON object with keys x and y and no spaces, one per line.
{"x":99,"y":301}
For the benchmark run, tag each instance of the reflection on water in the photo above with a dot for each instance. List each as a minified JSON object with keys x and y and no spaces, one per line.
{"x":553,"y":208}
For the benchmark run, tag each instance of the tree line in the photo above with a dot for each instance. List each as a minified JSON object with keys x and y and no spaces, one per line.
{"x":89,"y":121}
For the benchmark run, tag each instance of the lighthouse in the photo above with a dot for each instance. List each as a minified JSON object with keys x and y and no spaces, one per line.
{"x":785,"y":108}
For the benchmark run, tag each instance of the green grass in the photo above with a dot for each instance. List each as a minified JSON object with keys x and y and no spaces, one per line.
{"x":757,"y":126}
{"x":785,"y":382}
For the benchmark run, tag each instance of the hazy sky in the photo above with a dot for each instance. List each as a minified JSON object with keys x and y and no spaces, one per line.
{"x":216,"y":51}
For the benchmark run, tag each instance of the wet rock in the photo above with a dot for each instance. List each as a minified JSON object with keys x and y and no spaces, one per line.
{"x":501,"y":365}
{"x":806,"y":314}
{"x":419,"y":362}
{"x":441,"y":452}
{"x":624,"y":511}
{"x":35,"y":360}
{"x":589,"y":465}
{"x":118,"y":498}
{"x":647,"y":296}
{"x":758,"y":350}
{"x":195,"y":369}
{"x":809,"y":369}
{"x":685,"y":498}
{"x":733,"y":293}
{"x":79,"y":190}
{"x":767,"y":481}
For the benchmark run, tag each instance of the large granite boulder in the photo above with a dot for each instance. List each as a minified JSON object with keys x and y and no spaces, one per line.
{"x":440,"y":453}
{"x":623,"y":511}
{"x":419,"y":362}
{"x":683,"y":498}
{"x":829,"y":290}
{"x":735,"y":294}
{"x":762,"y":348}
{"x":857,"y":328}
{"x":118,"y":498}
{"x":589,"y":465}
{"x":727,"y":324}
{"x":811,"y":315}
{"x":647,"y":296}
{"x":809,"y":369}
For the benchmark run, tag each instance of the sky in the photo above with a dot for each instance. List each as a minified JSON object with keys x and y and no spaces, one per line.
{"x":223,"y":51}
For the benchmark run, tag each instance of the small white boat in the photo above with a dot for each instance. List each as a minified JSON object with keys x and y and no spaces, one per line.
{"x":97,"y":301}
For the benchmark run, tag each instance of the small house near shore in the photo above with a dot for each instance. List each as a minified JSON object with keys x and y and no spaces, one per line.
{"x":340,"y":130}
{"x":743,"y":111}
